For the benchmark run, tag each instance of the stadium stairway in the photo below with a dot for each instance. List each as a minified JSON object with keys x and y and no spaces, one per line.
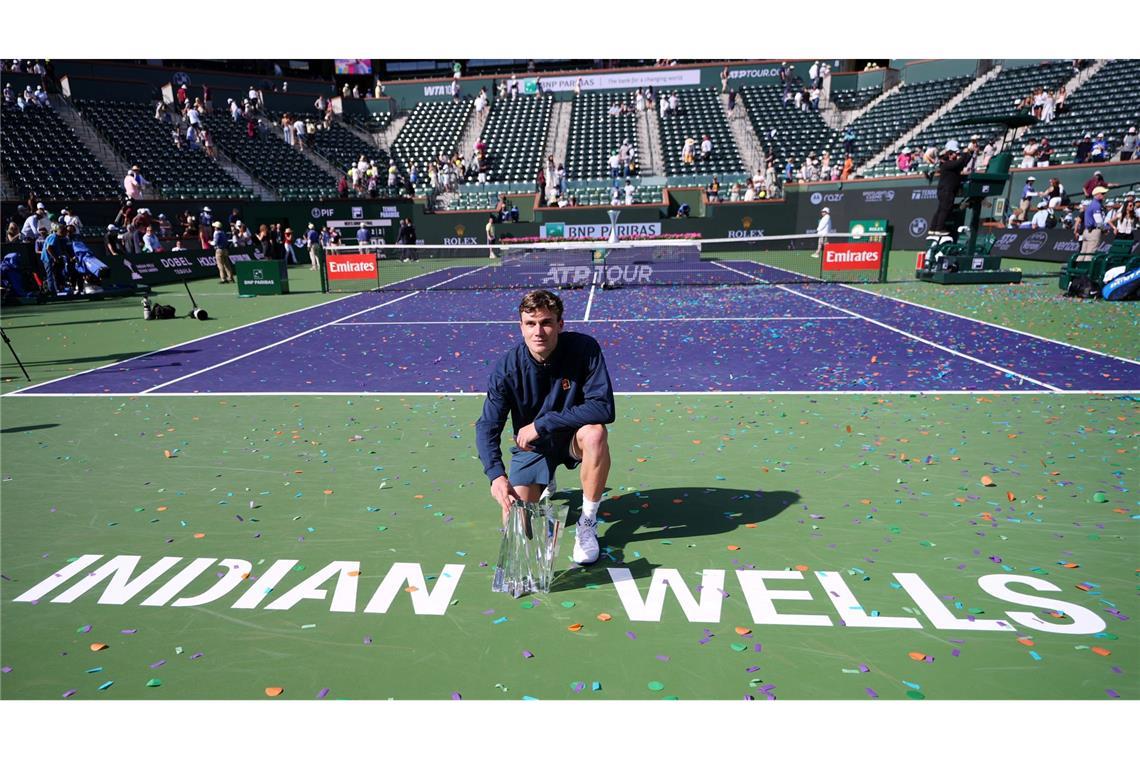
{"x":892,"y":149}
{"x":558,"y":134}
{"x":388,"y":136}
{"x":748,"y":144}
{"x":95,"y":143}
{"x":243,"y":178}
{"x":368,"y":137}
{"x":846,"y":117}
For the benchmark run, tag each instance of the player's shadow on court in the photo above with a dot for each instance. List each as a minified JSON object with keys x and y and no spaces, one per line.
{"x":637,"y":522}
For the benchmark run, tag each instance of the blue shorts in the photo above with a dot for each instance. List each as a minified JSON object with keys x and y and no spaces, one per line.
{"x":537,"y":467}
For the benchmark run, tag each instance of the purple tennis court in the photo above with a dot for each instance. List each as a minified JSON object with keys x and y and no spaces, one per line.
{"x":785,"y":336}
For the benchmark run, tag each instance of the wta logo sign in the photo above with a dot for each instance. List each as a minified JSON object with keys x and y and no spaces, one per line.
{"x":843,"y":256}
{"x":351,"y":267}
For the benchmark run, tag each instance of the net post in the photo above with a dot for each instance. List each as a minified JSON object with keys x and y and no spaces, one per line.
{"x":884,"y":265}
{"x":322,"y":267}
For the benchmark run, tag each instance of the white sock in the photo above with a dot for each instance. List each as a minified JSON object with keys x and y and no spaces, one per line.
{"x":590,"y":509}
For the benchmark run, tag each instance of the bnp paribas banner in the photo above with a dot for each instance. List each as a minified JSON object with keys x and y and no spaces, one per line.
{"x":599,"y":231}
{"x":625,"y":80}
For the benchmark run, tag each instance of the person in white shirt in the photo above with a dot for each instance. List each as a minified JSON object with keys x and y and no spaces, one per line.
{"x":71,"y":220}
{"x":674,"y":103}
{"x":822,"y":230}
{"x":614,"y":195}
{"x":133,"y":184}
{"x":1040,"y":218}
{"x":300,"y":129}
{"x":706,"y":147}
{"x":664,"y":107}
{"x":628,"y":193}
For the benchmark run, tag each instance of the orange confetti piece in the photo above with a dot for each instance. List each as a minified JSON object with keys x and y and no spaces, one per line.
{"x":1026,"y":641}
{"x":987,"y":481}
{"x":743,"y":631}
{"x":574,"y":627}
{"x":98,"y":646}
{"x":733,"y":548}
{"x":1009,"y":495}
{"x":864,"y":501}
{"x":166,"y":453}
{"x":848,"y":428}
{"x":1071,"y":565}
{"x":1101,"y":651}
{"x":297,"y":472}
{"x":161,"y":509}
{"x":274,"y":691}
{"x":678,"y":501}
{"x":642,"y":459}
{"x":411,"y":589}
{"x":697,"y":441}
{"x":605,"y":617}
{"x":916,"y":656}
{"x":353,"y":573}
{"x":328,"y":492}
{"x":802,"y":568}
{"x":875,"y":359}
{"x":199,"y":535}
{"x":750,"y":525}
{"x":419,"y":496}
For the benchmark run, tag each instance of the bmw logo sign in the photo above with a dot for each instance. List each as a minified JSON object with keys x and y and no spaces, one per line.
{"x":918,"y":227}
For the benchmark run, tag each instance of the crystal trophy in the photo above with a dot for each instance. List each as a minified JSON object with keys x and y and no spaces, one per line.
{"x":529,"y":547}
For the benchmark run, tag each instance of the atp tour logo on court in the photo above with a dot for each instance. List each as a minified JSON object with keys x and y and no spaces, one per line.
{"x":352,"y":267}
{"x":629,"y":274}
{"x":235,"y":582}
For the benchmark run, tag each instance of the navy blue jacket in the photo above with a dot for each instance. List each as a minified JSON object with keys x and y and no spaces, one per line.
{"x":571,"y":390}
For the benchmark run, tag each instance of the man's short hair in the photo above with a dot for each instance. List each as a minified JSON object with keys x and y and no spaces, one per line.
{"x":541,"y":299}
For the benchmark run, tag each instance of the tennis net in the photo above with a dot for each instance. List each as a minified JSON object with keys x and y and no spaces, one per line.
{"x":777,"y":259}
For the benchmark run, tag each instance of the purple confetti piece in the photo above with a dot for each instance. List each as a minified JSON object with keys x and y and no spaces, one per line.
{"x":767,"y":687}
{"x":872,"y":693}
{"x":751,"y":668}
{"x":322,"y":693}
{"x":578,"y":687}
{"x":196,"y":655}
{"x":367,"y":639}
{"x":488,"y":612}
{"x":663,"y":657}
{"x":1116,"y":613}
{"x":631,"y":635}
{"x":456,"y":695}
{"x":527,"y":653}
{"x":129,"y":631}
{"x":1112,"y":693}
{"x":955,"y":652}
{"x":705,"y":640}
{"x":957,"y":641}
{"x":864,"y":669}
{"x":1116,"y":669}
{"x":85,"y":629}
{"x":68,"y":693}
{"x":6,"y":669}
{"x":928,"y":658}
{"x":158,"y":664}
{"x":757,"y":647}
{"x":749,"y":698}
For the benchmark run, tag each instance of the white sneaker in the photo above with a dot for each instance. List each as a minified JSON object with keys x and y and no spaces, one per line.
{"x":585,"y":542}
{"x":549,"y":491}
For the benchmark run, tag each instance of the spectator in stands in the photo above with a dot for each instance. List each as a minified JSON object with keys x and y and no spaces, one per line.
{"x":848,"y":167}
{"x":1093,"y":182}
{"x":664,"y":106}
{"x":629,"y":191}
{"x":904,"y":162}
{"x":71,"y":220}
{"x":813,"y":97}
{"x":849,"y":139}
{"x":181,"y":95}
{"x":724,"y":80}
{"x":1048,"y":106}
{"x":687,"y":151}
{"x":789,"y":170}
{"x":1055,"y":191}
{"x":133,"y":183}
{"x":712,"y":191}
{"x":1100,"y":150}
{"x":615,"y":194}
{"x":301,"y":128}
{"x":1123,"y":221}
{"x":13,"y":233}
{"x":513,"y":87}
{"x":37,"y":221}
{"x":205,"y":231}
{"x":731,"y":102}
{"x":112,"y":243}
{"x":706,"y":148}
{"x":798,"y":100}
{"x":1029,"y":154}
{"x":1084,"y":147}
{"x":363,"y":236}
{"x":9,"y":95}
{"x":1094,"y":221}
{"x":240,"y":235}
{"x":1128,"y":144}
{"x":674,"y":102}
{"x":287,"y":132}
{"x":151,"y":242}
{"x":750,"y":191}
{"x":1040,"y":217}
{"x":823,"y":228}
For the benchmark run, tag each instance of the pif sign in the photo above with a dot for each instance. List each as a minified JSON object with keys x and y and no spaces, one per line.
{"x":844,"y":256}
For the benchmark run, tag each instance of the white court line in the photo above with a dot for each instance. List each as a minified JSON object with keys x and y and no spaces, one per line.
{"x":904,"y":332}
{"x":184,"y":343}
{"x":1111,"y":393}
{"x":589,"y":304}
{"x":991,"y":324}
{"x":922,"y":340}
{"x":600,"y":321}
{"x":305,"y":332}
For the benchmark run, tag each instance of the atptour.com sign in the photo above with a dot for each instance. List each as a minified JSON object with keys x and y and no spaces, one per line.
{"x":351,"y":267}
{"x":818,"y":198}
{"x":277,"y":586}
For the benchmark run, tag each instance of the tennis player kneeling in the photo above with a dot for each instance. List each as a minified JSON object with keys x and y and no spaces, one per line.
{"x":557,"y":391}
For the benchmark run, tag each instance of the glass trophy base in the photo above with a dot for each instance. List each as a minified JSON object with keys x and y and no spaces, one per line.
{"x":529,"y":548}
